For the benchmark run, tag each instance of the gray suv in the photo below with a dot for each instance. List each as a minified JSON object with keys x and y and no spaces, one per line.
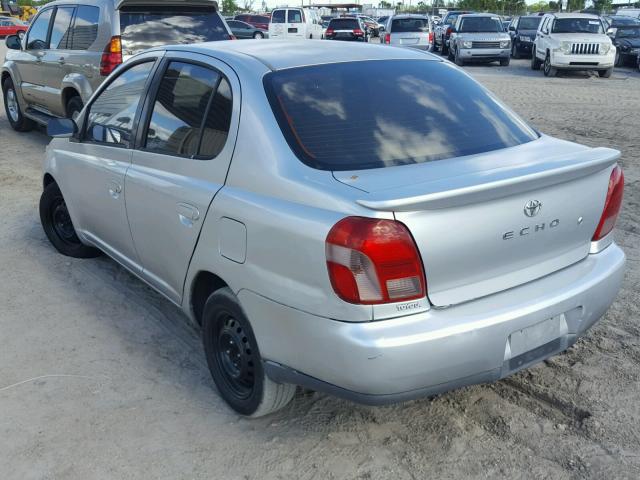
{"x":71,"y":47}
{"x":481,"y":38}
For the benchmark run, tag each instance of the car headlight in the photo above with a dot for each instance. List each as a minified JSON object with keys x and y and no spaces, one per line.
{"x":504,"y":43}
{"x":565,"y":47}
{"x":467,"y":44}
{"x":606,"y":46}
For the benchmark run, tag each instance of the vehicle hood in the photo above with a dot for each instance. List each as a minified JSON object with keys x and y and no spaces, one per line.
{"x":484,"y":36}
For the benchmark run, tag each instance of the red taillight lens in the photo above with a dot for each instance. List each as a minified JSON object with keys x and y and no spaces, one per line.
{"x":611,"y":205}
{"x":387,"y":38}
{"x":111,"y":56}
{"x":373,"y":261}
{"x":329,"y":31}
{"x":357,"y":32}
{"x":448,"y":31}
{"x":430,"y":37}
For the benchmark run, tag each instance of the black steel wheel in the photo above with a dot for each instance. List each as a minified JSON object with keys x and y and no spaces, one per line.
{"x":58,"y":226}
{"x":234,"y":358}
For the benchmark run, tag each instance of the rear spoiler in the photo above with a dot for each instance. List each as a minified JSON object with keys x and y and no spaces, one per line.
{"x":485,"y":186}
{"x":167,"y":3}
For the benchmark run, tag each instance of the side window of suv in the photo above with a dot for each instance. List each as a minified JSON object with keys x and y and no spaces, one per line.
{"x":61,"y":31}
{"x":37,"y":36}
{"x":85,"y":27}
{"x":192,"y":112}
{"x":111,"y":115}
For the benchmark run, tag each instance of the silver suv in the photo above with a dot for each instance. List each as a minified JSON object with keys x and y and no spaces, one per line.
{"x":71,"y":46}
{"x":479,"y":37}
{"x":378,"y":252}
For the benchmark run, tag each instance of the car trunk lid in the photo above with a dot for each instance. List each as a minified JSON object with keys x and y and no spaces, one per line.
{"x":489,"y":222}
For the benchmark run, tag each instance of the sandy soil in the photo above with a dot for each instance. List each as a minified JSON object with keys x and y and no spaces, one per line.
{"x":102,"y":378}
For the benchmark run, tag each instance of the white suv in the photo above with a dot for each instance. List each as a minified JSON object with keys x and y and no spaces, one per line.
{"x":572,"y":41}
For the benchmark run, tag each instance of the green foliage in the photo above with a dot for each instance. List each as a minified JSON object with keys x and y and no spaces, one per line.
{"x":229,"y":6}
{"x":510,"y":7}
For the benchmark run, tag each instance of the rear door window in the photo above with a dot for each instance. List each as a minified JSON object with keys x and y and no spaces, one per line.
{"x":61,"y":31}
{"x":111,"y":116}
{"x":429,"y":111}
{"x":295,"y":16}
{"x":85,"y":27}
{"x":37,"y":36}
{"x":146,"y":27}
{"x":278,"y":16}
{"x":181,"y":104}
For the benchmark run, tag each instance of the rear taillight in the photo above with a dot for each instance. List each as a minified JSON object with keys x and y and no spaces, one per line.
{"x":373,"y":261}
{"x":357,"y":32}
{"x":430,"y":37}
{"x":329,"y":31}
{"x":387,"y":38}
{"x":448,"y":31}
{"x":111,"y":56}
{"x":611,"y":205}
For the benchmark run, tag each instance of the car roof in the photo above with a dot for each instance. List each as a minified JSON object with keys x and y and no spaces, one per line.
{"x":576,"y":15}
{"x":409,"y":15}
{"x":283,"y":54}
{"x":491,"y":15}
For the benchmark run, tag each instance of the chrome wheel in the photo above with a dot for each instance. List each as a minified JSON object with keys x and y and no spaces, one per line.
{"x":12,"y":105}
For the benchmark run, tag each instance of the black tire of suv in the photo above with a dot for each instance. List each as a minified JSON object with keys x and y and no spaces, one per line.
{"x":22,"y":124}
{"x":605,"y":73}
{"x":444,"y":48}
{"x":504,"y":62}
{"x":549,"y":71}
{"x":74,"y":106}
{"x":58,"y":227}
{"x":535,"y":63}
{"x":238,"y":370}
{"x":515,"y":53}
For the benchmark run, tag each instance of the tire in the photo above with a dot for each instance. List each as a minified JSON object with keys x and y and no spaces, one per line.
{"x":618,"y":62}
{"x":258,"y":36}
{"x":549,"y":71}
{"x":58,"y":227}
{"x":605,"y":73}
{"x":457,"y":60}
{"x":444,"y":49}
{"x":535,"y":63}
{"x":515,"y":53}
{"x":238,"y":372}
{"x":504,"y":62}
{"x":74,"y":107}
{"x":17,"y":120}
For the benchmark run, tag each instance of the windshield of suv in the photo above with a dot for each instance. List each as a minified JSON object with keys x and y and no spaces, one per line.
{"x":480,"y":24}
{"x":628,"y":32}
{"x":529,"y":23}
{"x":146,"y":27}
{"x":577,"y":25}
{"x":400,"y":25}
{"x":428,"y":110}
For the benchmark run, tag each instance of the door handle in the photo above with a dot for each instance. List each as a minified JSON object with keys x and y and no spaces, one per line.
{"x":187,"y":214}
{"x":115,"y":189}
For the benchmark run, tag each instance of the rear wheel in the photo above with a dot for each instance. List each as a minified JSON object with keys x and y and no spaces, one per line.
{"x":605,"y":73}
{"x":12,"y":108}
{"x":58,"y":226}
{"x":234,"y":359}
{"x":535,"y":63}
{"x":258,"y":35}
{"x":549,"y":71}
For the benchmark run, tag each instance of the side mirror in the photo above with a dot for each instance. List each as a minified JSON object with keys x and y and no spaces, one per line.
{"x":512,"y":28}
{"x":13,"y":42}
{"x":612,"y":32}
{"x":62,"y":128}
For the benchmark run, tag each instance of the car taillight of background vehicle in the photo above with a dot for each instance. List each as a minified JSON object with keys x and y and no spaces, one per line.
{"x":611,"y":205}
{"x":357,"y":32}
{"x":111,"y":56}
{"x":449,"y":31}
{"x":374,"y":261}
{"x":387,"y":38}
{"x":329,"y":32}
{"x":431,"y":37}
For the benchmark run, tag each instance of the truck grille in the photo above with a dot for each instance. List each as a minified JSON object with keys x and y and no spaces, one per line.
{"x":485,"y":44}
{"x":585,"y":48}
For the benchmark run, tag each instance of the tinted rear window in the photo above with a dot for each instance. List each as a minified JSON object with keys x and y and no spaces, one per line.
{"x":344,"y":24}
{"x":148,"y":27}
{"x":399,"y":25}
{"x":427,"y":110}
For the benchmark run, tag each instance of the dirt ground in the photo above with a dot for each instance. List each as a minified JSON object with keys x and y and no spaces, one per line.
{"x":102,"y":378}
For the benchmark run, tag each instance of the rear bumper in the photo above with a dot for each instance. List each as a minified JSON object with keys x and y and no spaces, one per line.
{"x":427,"y":353}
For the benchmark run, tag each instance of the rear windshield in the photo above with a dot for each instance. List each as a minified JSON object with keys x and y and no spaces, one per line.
{"x":481,"y":24}
{"x":400,"y":25}
{"x":530,"y":23}
{"x":344,"y":24}
{"x":147,"y":27}
{"x":426,"y":110}
{"x":577,"y":25}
